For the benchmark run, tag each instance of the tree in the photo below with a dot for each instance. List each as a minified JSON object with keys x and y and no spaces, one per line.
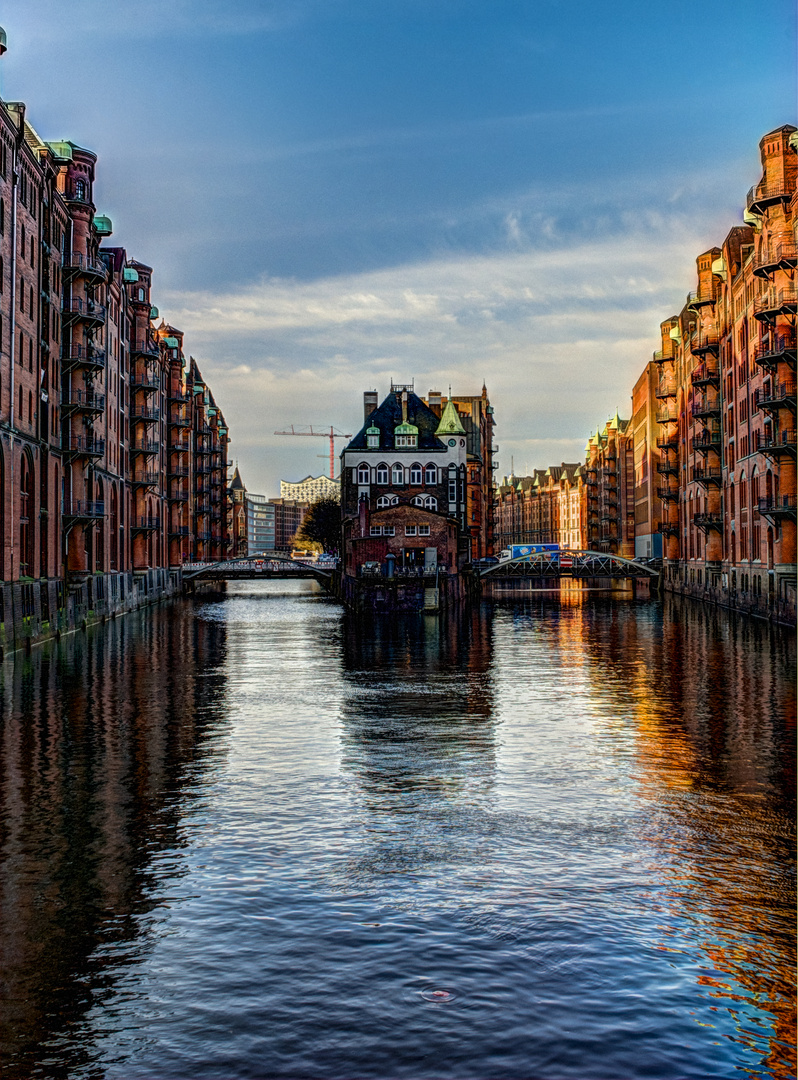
{"x":321,"y":525}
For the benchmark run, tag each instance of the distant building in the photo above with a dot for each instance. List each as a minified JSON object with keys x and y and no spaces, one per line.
{"x":311,"y":489}
{"x":238,"y":515}
{"x":288,"y":516}
{"x":260,"y":523}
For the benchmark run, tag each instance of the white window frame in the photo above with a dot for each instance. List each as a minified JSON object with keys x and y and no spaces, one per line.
{"x":398,"y":475}
{"x":423,"y":530}
{"x":363,"y":471}
{"x":431,"y":474}
{"x":410,"y":530}
{"x":383,"y":474}
{"x":416,"y":475}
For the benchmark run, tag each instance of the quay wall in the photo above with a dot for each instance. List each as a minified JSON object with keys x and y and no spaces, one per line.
{"x":34,"y":611}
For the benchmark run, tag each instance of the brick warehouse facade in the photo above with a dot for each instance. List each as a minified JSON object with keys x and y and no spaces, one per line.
{"x":704,"y":473}
{"x":113,"y":452}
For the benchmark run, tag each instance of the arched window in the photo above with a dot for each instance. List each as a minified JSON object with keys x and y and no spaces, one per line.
{"x":25,"y":512}
{"x":363,"y":474}
{"x":428,"y":502}
{"x":387,"y":500}
{"x":382,"y":474}
{"x":431,"y":474}
{"x":416,"y":473}
{"x":398,"y":475}
{"x":80,"y":189}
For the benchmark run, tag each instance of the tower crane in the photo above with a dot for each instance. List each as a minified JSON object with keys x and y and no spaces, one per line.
{"x":332,"y":435}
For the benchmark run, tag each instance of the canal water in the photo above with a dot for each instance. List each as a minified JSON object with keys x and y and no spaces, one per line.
{"x":249,"y":836}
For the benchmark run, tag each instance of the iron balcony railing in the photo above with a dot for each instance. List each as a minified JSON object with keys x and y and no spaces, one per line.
{"x":781,"y":256}
{"x":82,"y":445}
{"x":707,"y":474}
{"x":708,"y":439}
{"x":701,"y":297}
{"x":147,"y":479}
{"x":666,"y":493}
{"x":666,"y":388}
{"x":82,"y":401}
{"x":177,"y":470}
{"x":668,"y":468}
{"x":176,"y":420}
{"x":147,"y":416}
{"x":666,"y":416}
{"x":145,"y":446}
{"x":704,"y":341}
{"x":145,"y":524}
{"x":778,"y":347}
{"x":706,"y":406}
{"x":85,"y":266}
{"x":706,"y":374}
{"x":145,"y":347}
{"x":708,"y":521}
{"x":178,"y":530}
{"x":662,"y":356}
{"x":79,"y":508}
{"x":83,"y":310}
{"x":146,"y":380}
{"x":179,"y":397}
{"x":668,"y":442}
{"x":777,"y":505}
{"x":776,"y":442}
{"x":774,"y":302}
{"x":760,"y":196}
{"x":778,"y":396}
{"x":82,"y":356}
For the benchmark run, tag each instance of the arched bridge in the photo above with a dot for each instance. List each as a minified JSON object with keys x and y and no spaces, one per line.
{"x":258,"y":567}
{"x":568,"y":563}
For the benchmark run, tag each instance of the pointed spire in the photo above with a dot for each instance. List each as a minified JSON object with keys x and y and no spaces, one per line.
{"x":450,"y":421}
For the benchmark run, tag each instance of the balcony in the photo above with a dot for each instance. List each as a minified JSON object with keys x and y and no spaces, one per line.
{"x":179,"y":448}
{"x":700,"y":298}
{"x":146,"y":347}
{"x":778,"y":506}
{"x":668,"y":493}
{"x":82,"y":401}
{"x":668,"y":468}
{"x":176,"y":471}
{"x":145,"y":446}
{"x":775,"y":302}
{"x":147,"y":480}
{"x":706,"y":374}
{"x":668,"y":442}
{"x":146,"y":380}
{"x":85,"y":311}
{"x":780,"y":257}
{"x":204,"y":534}
{"x":775,"y":444}
{"x":141,"y":415}
{"x":708,"y":439}
{"x":706,"y":406}
{"x":178,"y":497}
{"x":668,"y":528}
{"x":179,"y":397}
{"x":83,"y":356}
{"x":80,"y":511}
{"x":178,"y":530}
{"x":663,"y":356}
{"x":145,"y":524}
{"x":77,"y":446}
{"x":707,"y":474}
{"x":591,"y":481}
{"x":778,"y":396}
{"x":761,"y":196}
{"x":176,"y":420}
{"x":705,"y":341}
{"x":708,"y":522}
{"x":780,"y":347}
{"x":666,"y":416}
{"x":666,"y":389}
{"x":84,"y":266}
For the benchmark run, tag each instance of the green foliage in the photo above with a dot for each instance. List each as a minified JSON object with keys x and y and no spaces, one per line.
{"x":322,"y":525}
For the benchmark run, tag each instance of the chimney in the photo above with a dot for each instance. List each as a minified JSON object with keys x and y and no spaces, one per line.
{"x":434,"y":401}
{"x":404,"y":406}
{"x":369,"y":403}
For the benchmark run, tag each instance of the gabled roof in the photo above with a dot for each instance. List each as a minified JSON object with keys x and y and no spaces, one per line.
{"x":237,"y":484}
{"x":388,"y":417}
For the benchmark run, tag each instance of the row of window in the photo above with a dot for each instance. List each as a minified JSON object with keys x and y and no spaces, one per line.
{"x":427,"y":502}
{"x":390,"y":530}
{"x":418,"y":475}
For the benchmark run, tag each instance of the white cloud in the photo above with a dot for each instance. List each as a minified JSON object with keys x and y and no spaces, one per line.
{"x":559,"y":337}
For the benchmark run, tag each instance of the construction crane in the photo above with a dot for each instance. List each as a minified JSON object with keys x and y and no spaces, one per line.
{"x":332,"y":435}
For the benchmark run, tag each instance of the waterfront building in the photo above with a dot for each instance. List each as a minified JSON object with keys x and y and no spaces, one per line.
{"x":404,"y":485}
{"x":311,"y":489}
{"x":477,"y":418}
{"x":547,"y":507}
{"x":94,"y":405}
{"x":238,"y":515}
{"x":651,"y":482}
{"x":260,"y":523}
{"x":728,"y":421}
{"x":610,"y":485}
{"x":288,"y":517}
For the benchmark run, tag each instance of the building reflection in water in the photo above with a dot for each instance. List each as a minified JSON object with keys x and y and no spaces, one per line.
{"x":104,"y":744}
{"x":713,"y":701}
{"x":418,"y":735}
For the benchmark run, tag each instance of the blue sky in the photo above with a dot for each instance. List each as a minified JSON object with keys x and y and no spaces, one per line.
{"x":335,"y":192}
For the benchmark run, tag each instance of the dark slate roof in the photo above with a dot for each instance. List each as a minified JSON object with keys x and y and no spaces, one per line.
{"x":237,"y":483}
{"x":389,"y":415}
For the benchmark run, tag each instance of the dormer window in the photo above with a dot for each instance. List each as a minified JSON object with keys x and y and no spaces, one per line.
{"x":406,"y":436}
{"x":373,"y":438}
